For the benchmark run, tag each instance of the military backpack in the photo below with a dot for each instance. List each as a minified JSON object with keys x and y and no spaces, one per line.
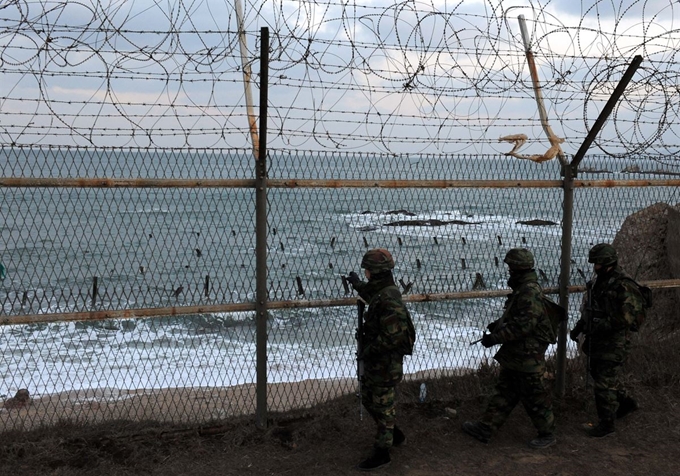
{"x":646,"y":294}
{"x":556,"y":316}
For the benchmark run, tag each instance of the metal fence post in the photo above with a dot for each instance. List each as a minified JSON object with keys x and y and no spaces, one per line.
{"x":565,"y":272}
{"x":567,"y":212}
{"x":261,"y":294}
{"x":570,"y":172}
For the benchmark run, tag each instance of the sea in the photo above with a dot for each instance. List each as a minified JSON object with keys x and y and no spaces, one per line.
{"x":71,"y":250}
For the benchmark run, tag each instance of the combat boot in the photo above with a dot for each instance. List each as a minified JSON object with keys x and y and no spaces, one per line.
{"x":626,"y":406}
{"x":379,"y":458}
{"x":479,"y":430}
{"x":399,"y":437}
{"x":602,"y":429}
{"x":543,"y":441}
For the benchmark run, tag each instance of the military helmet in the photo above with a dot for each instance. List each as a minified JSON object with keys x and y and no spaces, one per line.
{"x":604,"y":254}
{"x":519,"y":258}
{"x":377,"y":260}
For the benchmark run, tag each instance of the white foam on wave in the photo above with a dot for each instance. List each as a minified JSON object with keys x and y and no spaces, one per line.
{"x":476,"y":226}
{"x":57,"y":358}
{"x":60,"y":358}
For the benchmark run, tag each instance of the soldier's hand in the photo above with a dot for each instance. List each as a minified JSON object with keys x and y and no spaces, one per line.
{"x":353,"y":278}
{"x":491,"y":326}
{"x":574,"y":334}
{"x":488,"y":341}
{"x":576,"y":331}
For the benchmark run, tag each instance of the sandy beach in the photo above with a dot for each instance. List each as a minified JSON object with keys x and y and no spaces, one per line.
{"x":180,"y":405}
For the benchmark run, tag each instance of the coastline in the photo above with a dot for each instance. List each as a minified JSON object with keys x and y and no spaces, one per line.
{"x":198,"y":405}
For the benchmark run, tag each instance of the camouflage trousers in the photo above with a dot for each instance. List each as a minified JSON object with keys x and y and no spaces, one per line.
{"x":607,"y":386}
{"x":514,"y":387}
{"x":380,"y":404}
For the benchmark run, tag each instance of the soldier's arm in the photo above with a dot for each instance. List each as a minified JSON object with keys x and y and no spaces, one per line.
{"x":528,"y":308}
{"x":360,"y":288}
{"x":393,"y":330}
{"x":582,"y":323}
{"x":625,"y":305}
{"x":491,"y":326}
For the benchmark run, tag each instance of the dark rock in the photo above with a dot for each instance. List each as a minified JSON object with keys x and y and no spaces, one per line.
{"x":462,"y":222}
{"x":401,"y":212}
{"x":21,"y":399}
{"x":537,"y":222}
{"x":430,"y":222}
{"x":648,"y":245}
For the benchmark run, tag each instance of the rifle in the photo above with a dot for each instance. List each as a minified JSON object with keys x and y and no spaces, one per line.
{"x":500,"y":322}
{"x":589,"y":326}
{"x":361,"y":307}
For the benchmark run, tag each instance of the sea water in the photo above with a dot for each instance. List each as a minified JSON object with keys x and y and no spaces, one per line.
{"x":150,"y":247}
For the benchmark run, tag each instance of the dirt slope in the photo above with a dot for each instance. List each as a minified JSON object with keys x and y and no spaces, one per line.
{"x":330,"y":439}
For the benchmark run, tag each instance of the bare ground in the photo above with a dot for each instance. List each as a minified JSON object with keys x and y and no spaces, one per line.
{"x":330,"y":439}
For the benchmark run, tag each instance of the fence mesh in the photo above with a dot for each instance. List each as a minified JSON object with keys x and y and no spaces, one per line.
{"x":79,"y":250}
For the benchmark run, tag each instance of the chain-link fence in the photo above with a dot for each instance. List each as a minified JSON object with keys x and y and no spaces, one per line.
{"x":152,"y":271}
{"x":135,"y":298}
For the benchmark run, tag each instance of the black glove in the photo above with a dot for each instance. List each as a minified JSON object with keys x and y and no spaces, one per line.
{"x":488,"y":341}
{"x":353,"y":278}
{"x":576,"y":331}
{"x":492,"y":326}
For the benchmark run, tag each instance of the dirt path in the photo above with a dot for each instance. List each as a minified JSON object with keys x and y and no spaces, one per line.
{"x":330,"y":439}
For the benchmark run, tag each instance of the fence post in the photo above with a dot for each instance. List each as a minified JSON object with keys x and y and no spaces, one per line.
{"x":261,"y":294}
{"x":245,"y":67}
{"x":570,"y":171}
{"x":565,"y":273}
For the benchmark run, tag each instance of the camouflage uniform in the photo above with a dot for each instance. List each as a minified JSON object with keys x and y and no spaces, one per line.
{"x":388,"y":335}
{"x":524,"y":331}
{"x":524,"y":335}
{"x":615,"y":304}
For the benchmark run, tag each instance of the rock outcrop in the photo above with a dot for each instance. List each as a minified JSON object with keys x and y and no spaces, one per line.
{"x":21,"y":399}
{"x":648,"y":245}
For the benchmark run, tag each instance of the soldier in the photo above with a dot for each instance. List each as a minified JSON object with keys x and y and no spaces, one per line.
{"x":614,"y":307}
{"x":388,"y":335}
{"x":524,"y":330}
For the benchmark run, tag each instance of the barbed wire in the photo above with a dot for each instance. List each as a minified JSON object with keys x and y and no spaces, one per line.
{"x":412,"y":76}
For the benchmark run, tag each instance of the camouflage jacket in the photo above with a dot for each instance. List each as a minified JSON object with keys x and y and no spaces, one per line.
{"x":615,"y":303}
{"x":388,"y":331}
{"x":524,"y":328}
